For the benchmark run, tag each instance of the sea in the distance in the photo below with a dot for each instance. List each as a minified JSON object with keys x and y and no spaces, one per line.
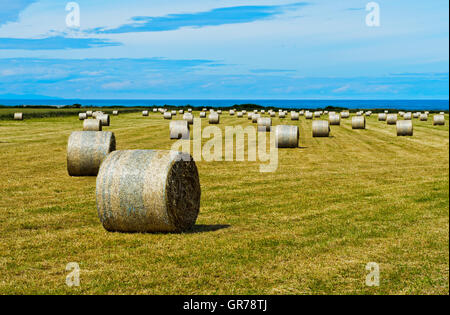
{"x":442,"y":105}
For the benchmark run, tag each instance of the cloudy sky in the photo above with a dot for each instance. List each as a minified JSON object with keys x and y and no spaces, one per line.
{"x":224,"y":49}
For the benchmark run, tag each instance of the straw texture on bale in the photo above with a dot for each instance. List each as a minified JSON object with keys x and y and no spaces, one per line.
{"x":214,"y":118}
{"x":320,"y":128}
{"x":167,"y":115}
{"x":309,"y":115}
{"x":382,"y":117}
{"x":368,"y":114}
{"x":174,"y":113}
{"x":358,"y":122}
{"x":264,"y":124}
{"x":407,"y":116}
{"x":92,"y":125}
{"x":404,"y":128}
{"x":239,"y":115}
{"x":287,"y":136}
{"x":82,"y":116}
{"x":104,"y":119}
{"x":345,"y":115}
{"x":179,"y":129}
{"x":335,"y":120}
{"x":438,"y":120}
{"x":391,"y":119}
{"x":86,"y":151}
{"x":145,"y":113}
{"x":96,"y":114}
{"x":317,"y":114}
{"x":423,"y":117}
{"x":148,"y":191}
{"x":202,"y":114}
{"x":272,"y":114}
{"x":295,"y":116}
{"x":189,"y":118}
{"x":190,"y":110}
{"x":281,"y":114}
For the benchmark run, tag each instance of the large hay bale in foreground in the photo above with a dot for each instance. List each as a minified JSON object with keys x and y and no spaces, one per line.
{"x":86,"y":151}
{"x":320,"y":128}
{"x":335,"y":120}
{"x":104,"y":119}
{"x":214,"y":118}
{"x":92,"y":125}
{"x":148,"y":191}
{"x":167,"y":115}
{"x":358,"y":122}
{"x":82,"y":116}
{"x":189,"y":118}
{"x":286,"y":136}
{"x":438,"y":120}
{"x":264,"y":124}
{"x":179,"y":129}
{"x":18,"y":116}
{"x":391,"y":119}
{"x":405,"y":128}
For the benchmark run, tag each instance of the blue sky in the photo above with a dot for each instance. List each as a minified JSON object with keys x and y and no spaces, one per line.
{"x":224,"y":49}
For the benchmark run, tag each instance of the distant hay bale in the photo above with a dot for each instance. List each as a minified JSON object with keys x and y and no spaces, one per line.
{"x":320,"y":128}
{"x":282,"y":115}
{"x":264,"y":124}
{"x":416,"y":115}
{"x":423,"y":117}
{"x":181,"y":111}
{"x":255,"y":118}
{"x":359,"y":113}
{"x":309,"y":115}
{"x":214,"y":118}
{"x":115,"y":112}
{"x":244,"y":112}
{"x":334,"y":120}
{"x":286,"y":136}
{"x":82,"y":116}
{"x":438,"y":120}
{"x":104,"y":119}
{"x":317,"y":114}
{"x":18,"y":116}
{"x":219,"y":112}
{"x":249,"y":116}
{"x":442,"y":113}
{"x":407,"y":116}
{"x":92,"y":125}
{"x":189,"y":118}
{"x":404,"y":128}
{"x":190,"y":110}
{"x":358,"y":122}
{"x":86,"y":151}
{"x":382,"y":117}
{"x":97,"y":114}
{"x":302,"y":113}
{"x":202,"y":114}
{"x":148,"y":191}
{"x":231,"y":112}
{"x":167,"y":115}
{"x":155,"y":110}
{"x":386,"y":112}
{"x":263,"y":111}
{"x":391,"y":119}
{"x":173,"y":112}
{"x":145,"y":113}
{"x":345,"y":114}
{"x":204,"y":109}
{"x":295,"y":116}
{"x":239,"y":115}
{"x":273,"y":114}
{"x":179,"y":129}
{"x":89,"y":113}
{"x":368,"y":114}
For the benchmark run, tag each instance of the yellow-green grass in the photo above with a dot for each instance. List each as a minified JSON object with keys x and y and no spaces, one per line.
{"x":333,"y":205}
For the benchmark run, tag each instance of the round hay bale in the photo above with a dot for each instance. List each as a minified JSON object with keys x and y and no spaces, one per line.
{"x":407,"y":116}
{"x":286,"y":136}
{"x":18,"y":116}
{"x":189,"y":110}
{"x":104,"y":119}
{"x":295,"y":116}
{"x":145,"y":113}
{"x":179,"y":129}
{"x":167,"y":115}
{"x":92,"y":125}
{"x":345,"y":114}
{"x":181,"y":111}
{"x":255,"y":118}
{"x":189,"y":118}
{"x":202,"y":114}
{"x":317,"y":114}
{"x":174,"y":113}
{"x":320,"y":128}
{"x":89,"y":113}
{"x":423,"y":117}
{"x":282,"y":115}
{"x":204,"y":109}
{"x":334,"y":120}
{"x":263,"y":111}
{"x":309,"y":115}
{"x":86,"y":151}
{"x":273,"y":114}
{"x":302,"y":113}
{"x":249,"y":116}
{"x":359,"y":113}
{"x":244,"y":112}
{"x":155,"y":110}
{"x":239,"y":115}
{"x":358,"y":122}
{"x":404,"y":128}
{"x":264,"y":124}
{"x":214,"y":118}
{"x":115,"y":112}
{"x":438,"y":120}
{"x":442,"y":113}
{"x":82,"y":116}
{"x":97,"y":114}
{"x":148,"y":191}
{"x":382,"y":117}
{"x":416,"y":115}
{"x":391,"y":119}
{"x":368,"y":114}
{"x":231,"y":112}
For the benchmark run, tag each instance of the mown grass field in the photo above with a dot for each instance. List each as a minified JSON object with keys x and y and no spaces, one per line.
{"x":334,"y":205}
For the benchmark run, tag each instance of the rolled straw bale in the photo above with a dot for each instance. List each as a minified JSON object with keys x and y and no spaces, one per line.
{"x":416,"y":115}
{"x":89,"y":113}
{"x":86,"y":151}
{"x":204,"y":109}
{"x":231,"y":112}
{"x":359,"y":113}
{"x":179,"y":129}
{"x":273,"y":114}
{"x":282,"y":115}
{"x":155,"y":110}
{"x":386,"y":112}
{"x":407,"y":116}
{"x":404,"y":128}
{"x":391,"y":119}
{"x":345,"y":114}
{"x":368,"y":114}
{"x":82,"y":116}
{"x":321,"y":128}
{"x":382,"y":117}
{"x":244,"y":112}
{"x":92,"y":125}
{"x":335,"y":120}
{"x":442,"y":113}
{"x":249,"y":116}
{"x":255,"y":118}
{"x":302,"y":113}
{"x":174,"y":113}
{"x":423,"y":117}
{"x":263,"y":111}
{"x":286,"y":136}
{"x":317,"y":114}
{"x":309,"y":115}
{"x":190,"y":110}
{"x":239,"y":115}
{"x":264,"y":124}
{"x":438,"y":120}
{"x":181,"y":111}
{"x":189,"y":118}
{"x":115,"y":112}
{"x":358,"y":122}
{"x":202,"y":114}
{"x":167,"y":115}
{"x":18,"y":116}
{"x":295,"y":116}
{"x":148,"y":191}
{"x":145,"y":113}
{"x":96,"y":114}
{"x":104,"y":119}
{"x":214,"y":118}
